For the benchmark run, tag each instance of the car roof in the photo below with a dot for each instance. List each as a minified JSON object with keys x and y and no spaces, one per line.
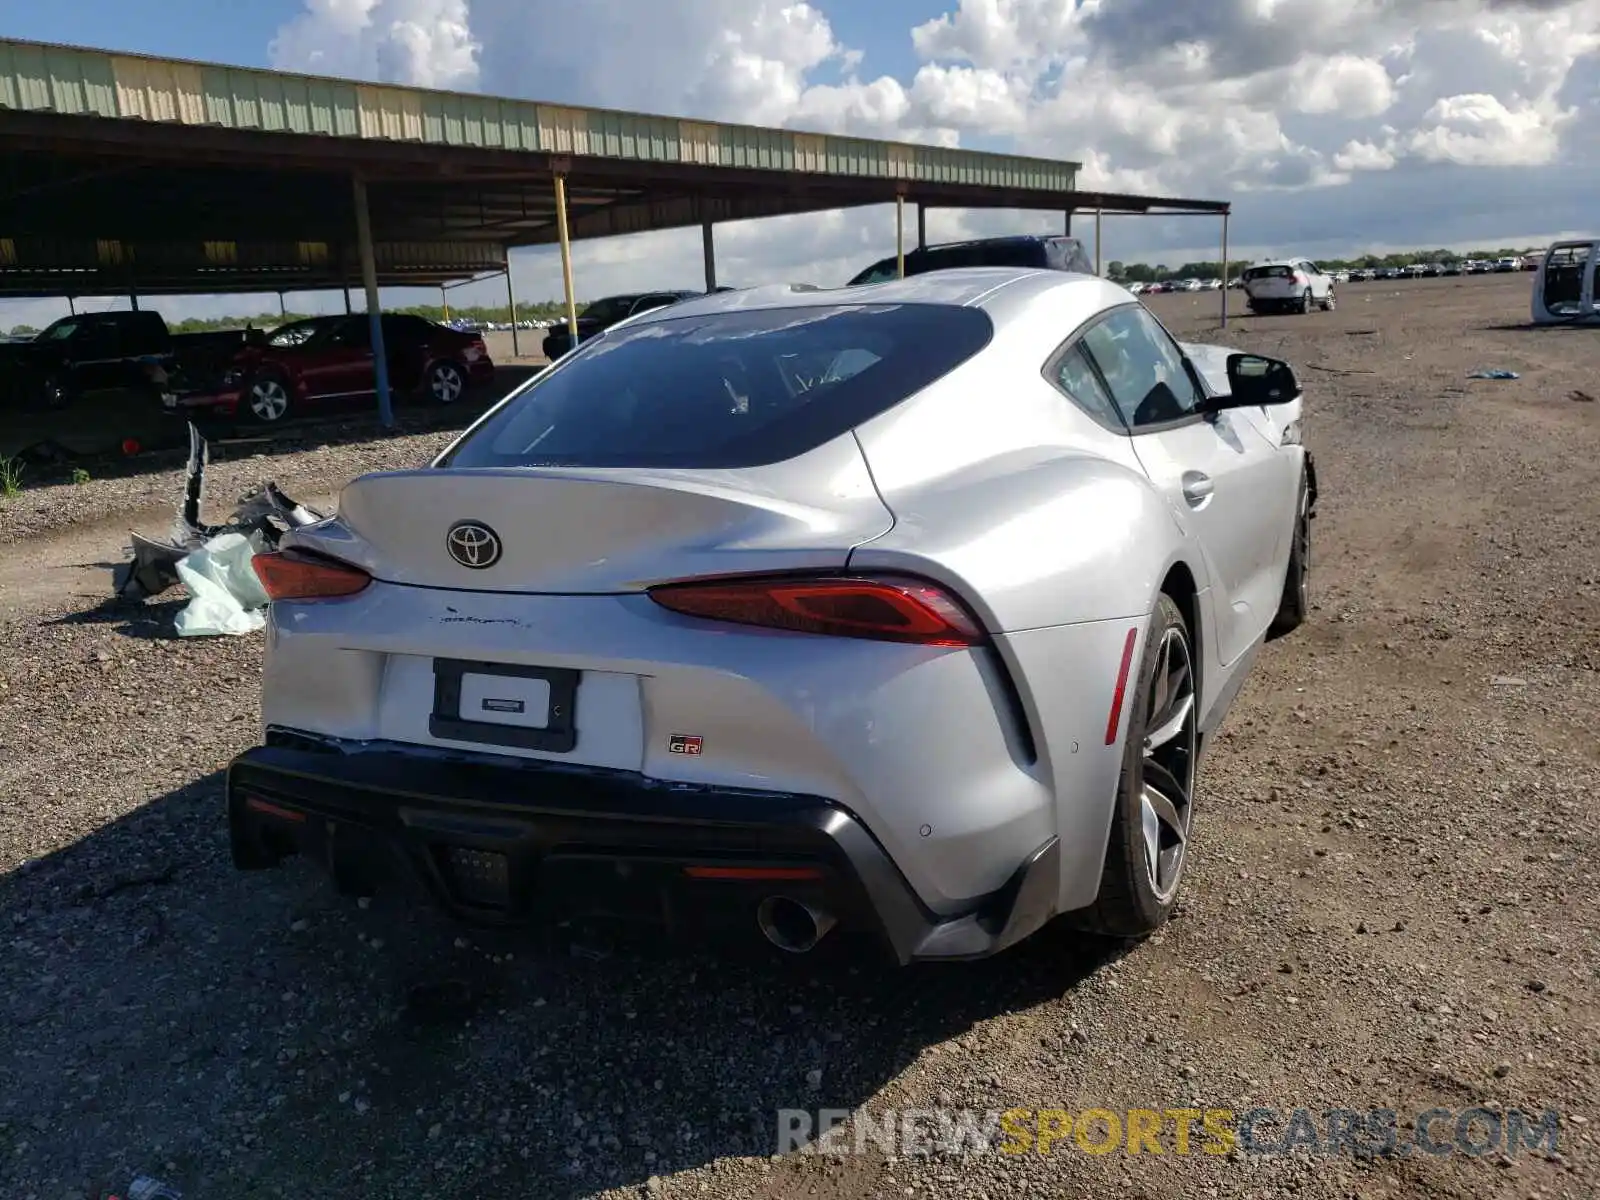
{"x":998,"y":290}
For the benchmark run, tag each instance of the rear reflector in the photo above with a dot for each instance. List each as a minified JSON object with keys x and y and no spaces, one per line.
{"x":1115,"y":719}
{"x":753,"y":873}
{"x":295,"y":575}
{"x":905,"y":610}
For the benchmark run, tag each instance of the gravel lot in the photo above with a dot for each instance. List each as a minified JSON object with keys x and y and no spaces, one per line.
{"x":1391,"y":904}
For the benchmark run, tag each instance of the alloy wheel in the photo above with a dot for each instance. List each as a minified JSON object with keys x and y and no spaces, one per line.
{"x":269,"y":400}
{"x":1167,"y":785}
{"x":446,"y":384}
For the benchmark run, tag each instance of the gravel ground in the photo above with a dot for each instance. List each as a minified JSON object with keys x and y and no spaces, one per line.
{"x":320,"y":460}
{"x":1391,"y":902}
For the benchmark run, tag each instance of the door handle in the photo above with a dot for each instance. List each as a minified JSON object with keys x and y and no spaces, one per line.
{"x":1197,"y":488}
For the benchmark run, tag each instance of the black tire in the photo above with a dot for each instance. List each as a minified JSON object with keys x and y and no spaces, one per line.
{"x":1295,"y":604}
{"x":1331,"y":302}
{"x":1130,"y":904}
{"x":265,"y":399}
{"x":1305,"y":301}
{"x":444,"y":382}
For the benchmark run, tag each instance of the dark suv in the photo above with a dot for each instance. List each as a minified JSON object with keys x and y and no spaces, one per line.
{"x":88,"y":352}
{"x":1050,"y":252}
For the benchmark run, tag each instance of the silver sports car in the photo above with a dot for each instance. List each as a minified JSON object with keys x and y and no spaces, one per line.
{"x":906,"y":609}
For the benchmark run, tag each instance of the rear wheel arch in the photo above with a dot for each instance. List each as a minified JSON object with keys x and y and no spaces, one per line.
{"x":1180,"y":585}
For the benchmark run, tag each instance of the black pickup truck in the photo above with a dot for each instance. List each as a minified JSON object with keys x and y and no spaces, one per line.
{"x":89,"y":352}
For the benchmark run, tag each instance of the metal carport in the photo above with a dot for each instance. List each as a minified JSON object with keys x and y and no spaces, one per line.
{"x":125,"y":174}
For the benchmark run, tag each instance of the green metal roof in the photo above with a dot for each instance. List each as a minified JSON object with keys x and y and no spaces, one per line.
{"x":121,"y":172}
{"x":37,"y":77}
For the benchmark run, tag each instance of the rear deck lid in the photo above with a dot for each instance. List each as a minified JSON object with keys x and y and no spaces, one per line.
{"x":570,"y":530}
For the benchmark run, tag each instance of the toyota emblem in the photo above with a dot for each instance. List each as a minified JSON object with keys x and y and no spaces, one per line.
{"x":473,"y":544}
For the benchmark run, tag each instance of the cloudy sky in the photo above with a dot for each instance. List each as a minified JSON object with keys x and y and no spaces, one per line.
{"x":1336,"y":126}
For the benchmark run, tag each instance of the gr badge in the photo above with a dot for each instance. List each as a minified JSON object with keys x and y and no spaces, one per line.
{"x":685,"y":743}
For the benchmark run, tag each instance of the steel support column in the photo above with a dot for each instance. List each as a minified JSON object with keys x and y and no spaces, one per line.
{"x":1066,"y":225}
{"x":1097,"y":270}
{"x":369,"y":281}
{"x":708,"y":251}
{"x":1224,"y":270}
{"x":922,"y":227}
{"x":511,"y":301}
{"x":566,"y":259}
{"x":900,"y":235}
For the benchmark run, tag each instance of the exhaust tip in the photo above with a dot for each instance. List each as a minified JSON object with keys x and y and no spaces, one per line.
{"x":790,"y":925}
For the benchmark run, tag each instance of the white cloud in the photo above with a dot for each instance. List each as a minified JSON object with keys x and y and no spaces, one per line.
{"x":1363,"y":156}
{"x":1344,"y":85}
{"x":1478,"y":130}
{"x":424,"y":42}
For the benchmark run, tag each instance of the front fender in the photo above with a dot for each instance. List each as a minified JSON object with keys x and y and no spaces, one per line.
{"x":1035,"y":542}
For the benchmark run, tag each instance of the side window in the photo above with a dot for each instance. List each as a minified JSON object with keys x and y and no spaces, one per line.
{"x":1075,"y":376}
{"x":880,"y":272}
{"x":1142,"y":368}
{"x":354,"y":332}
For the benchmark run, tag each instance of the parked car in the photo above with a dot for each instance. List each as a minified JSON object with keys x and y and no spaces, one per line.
{"x":1044,"y":251}
{"x":1566,"y":291}
{"x":746,"y":619}
{"x":1509,"y":263}
{"x":310,"y":363}
{"x":86,"y":353}
{"x":1292,"y":285}
{"x":603,"y":314}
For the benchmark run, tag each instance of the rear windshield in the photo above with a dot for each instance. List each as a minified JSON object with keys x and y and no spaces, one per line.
{"x":1268,"y":273}
{"x":730,"y":389}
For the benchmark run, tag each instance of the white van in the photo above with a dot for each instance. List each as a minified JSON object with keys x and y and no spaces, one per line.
{"x":1565,"y":290}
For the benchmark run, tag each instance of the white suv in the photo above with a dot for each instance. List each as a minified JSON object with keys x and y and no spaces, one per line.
{"x":1292,"y":285}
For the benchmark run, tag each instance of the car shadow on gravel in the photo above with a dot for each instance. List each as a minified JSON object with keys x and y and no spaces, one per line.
{"x":240,"y":1032}
{"x":150,"y":620}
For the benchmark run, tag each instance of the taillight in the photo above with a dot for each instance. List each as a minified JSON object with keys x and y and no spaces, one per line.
{"x":881,"y":609}
{"x":294,"y":575}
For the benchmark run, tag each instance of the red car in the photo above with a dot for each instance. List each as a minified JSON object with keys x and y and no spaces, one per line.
{"x":309,"y":363}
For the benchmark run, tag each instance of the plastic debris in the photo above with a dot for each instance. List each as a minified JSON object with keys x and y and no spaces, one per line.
{"x":1492,"y":373}
{"x":262,"y":515}
{"x":226,"y":596}
{"x":146,"y":1188}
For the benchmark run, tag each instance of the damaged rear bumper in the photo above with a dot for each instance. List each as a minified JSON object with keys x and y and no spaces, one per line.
{"x":500,"y":841}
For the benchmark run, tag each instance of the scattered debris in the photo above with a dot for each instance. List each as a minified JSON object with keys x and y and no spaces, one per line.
{"x":146,"y":1188}
{"x":1340,"y":370}
{"x":1581,"y":397}
{"x":1492,"y":373}
{"x":212,"y":561}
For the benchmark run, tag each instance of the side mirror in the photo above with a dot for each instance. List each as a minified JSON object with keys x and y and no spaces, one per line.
{"x":1255,"y":380}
